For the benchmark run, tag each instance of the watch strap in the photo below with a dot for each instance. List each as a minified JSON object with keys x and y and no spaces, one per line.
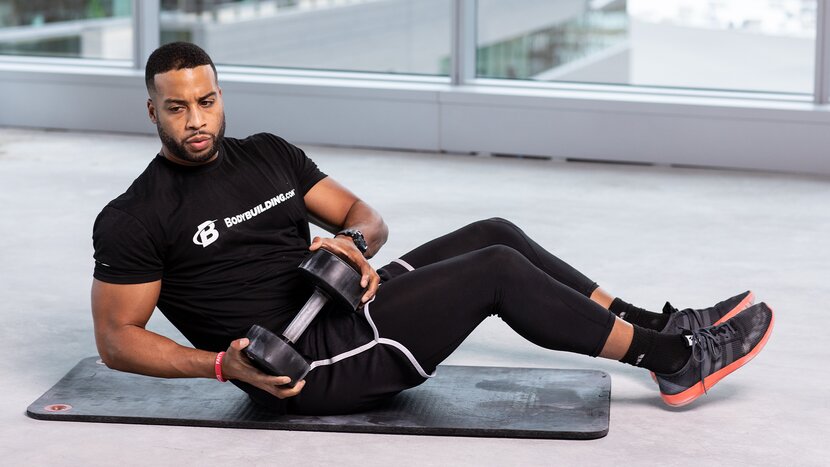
{"x":357,"y":237}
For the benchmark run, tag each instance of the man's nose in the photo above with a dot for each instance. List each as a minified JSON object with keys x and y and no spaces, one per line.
{"x":196,"y":119}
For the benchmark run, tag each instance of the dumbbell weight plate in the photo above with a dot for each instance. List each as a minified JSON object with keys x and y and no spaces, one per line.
{"x":271,"y":354}
{"x":337,"y":278}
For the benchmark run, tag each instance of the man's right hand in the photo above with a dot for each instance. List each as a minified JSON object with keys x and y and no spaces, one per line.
{"x":236,"y":365}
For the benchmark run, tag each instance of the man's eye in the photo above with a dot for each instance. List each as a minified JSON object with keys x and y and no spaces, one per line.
{"x":207,"y":103}
{"x":175,"y":109}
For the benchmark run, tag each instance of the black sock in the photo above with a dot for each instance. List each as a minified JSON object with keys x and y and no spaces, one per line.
{"x":638,"y":316}
{"x":660,"y":353}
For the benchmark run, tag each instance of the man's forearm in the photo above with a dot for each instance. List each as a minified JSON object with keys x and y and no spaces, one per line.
{"x":136,"y":350}
{"x":144,"y":352}
{"x":362,"y":217}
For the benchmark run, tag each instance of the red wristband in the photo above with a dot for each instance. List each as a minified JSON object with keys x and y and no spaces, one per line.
{"x":217,"y":367}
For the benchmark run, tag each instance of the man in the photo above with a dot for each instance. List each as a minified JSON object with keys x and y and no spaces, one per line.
{"x":213,"y":230}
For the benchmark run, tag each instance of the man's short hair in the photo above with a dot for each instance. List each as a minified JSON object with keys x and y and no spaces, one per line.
{"x":175,"y":56}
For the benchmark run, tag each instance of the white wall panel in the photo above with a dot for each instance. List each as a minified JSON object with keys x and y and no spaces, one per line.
{"x":789,"y":137}
{"x":337,"y":115}
{"x":74,"y":101}
{"x":742,"y":133}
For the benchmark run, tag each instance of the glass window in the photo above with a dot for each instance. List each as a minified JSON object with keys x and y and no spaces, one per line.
{"x":745,"y":45}
{"x":99,"y":29}
{"x":388,"y":36}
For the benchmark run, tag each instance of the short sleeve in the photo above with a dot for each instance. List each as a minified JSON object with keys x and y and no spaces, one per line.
{"x":306,"y":171}
{"x":125,"y":252}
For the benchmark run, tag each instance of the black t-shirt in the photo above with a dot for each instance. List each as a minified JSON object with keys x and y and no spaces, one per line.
{"x":225,"y":238}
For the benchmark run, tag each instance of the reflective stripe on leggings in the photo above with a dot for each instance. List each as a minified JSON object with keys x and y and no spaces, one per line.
{"x":377,"y":340}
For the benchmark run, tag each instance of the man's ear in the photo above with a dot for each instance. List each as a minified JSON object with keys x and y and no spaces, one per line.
{"x":151,"y":111}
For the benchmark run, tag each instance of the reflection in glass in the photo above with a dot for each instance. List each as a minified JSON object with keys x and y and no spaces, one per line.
{"x":389,"y":36}
{"x":528,"y":39}
{"x":99,"y":29}
{"x":746,"y":45}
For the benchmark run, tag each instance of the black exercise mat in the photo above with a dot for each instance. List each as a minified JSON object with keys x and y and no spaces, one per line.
{"x":459,"y":401}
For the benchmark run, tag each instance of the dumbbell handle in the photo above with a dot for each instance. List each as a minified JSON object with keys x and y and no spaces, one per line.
{"x":306,"y":315}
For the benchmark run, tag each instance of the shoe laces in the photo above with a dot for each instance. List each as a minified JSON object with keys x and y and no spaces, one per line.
{"x":690,"y":314}
{"x":706,"y":342}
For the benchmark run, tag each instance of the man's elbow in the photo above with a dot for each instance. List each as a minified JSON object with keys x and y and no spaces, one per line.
{"x":380,"y":234}
{"x":110,"y":353}
{"x":384,"y":232}
{"x":107,"y":356}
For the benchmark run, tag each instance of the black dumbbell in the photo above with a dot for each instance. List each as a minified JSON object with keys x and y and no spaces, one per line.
{"x":334,"y":279}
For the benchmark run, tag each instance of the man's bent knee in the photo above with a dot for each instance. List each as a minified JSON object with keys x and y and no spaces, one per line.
{"x":500,"y":260}
{"x":497,"y":230}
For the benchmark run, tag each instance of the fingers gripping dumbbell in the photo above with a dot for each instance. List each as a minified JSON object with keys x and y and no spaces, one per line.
{"x":333,"y":279}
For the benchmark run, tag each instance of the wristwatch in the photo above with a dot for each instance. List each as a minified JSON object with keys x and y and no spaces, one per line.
{"x":357,"y":238}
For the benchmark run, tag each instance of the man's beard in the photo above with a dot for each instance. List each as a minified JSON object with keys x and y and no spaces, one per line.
{"x":179,"y":149}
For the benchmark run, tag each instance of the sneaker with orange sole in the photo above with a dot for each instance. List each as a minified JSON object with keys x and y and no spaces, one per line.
{"x":690,"y":319}
{"x":716,"y":352}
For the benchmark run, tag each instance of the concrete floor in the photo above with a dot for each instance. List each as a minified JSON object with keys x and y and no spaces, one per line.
{"x":647,"y":233}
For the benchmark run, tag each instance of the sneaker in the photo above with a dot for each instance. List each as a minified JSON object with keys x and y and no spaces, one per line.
{"x":692,"y":320}
{"x":716,"y":352}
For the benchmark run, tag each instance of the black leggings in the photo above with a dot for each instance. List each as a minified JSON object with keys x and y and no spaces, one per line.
{"x":430,"y":301}
{"x":488,"y":268}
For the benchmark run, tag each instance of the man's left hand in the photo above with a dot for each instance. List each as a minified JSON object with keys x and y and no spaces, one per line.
{"x":345,"y":248}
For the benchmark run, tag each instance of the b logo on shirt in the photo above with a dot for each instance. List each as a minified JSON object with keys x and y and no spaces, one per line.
{"x":206,"y":233}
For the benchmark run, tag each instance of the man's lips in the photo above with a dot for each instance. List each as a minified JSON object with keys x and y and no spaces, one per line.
{"x":198,"y":142}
